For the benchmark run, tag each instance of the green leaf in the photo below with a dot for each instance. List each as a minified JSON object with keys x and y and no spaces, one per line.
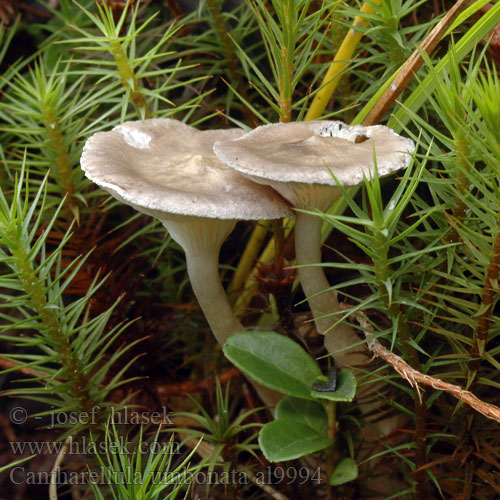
{"x":274,"y":361}
{"x":289,"y":439}
{"x":310,"y":413}
{"x":14,"y":464}
{"x":345,"y":391}
{"x":346,"y":470}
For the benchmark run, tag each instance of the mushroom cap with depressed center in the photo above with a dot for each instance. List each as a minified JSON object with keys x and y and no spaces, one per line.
{"x":164,"y":167}
{"x":306,"y":152}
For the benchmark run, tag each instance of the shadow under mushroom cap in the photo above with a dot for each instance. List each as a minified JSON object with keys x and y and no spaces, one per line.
{"x":305,"y":152}
{"x":165,"y":165}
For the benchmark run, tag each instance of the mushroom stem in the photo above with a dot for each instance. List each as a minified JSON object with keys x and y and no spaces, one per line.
{"x":203,"y":270}
{"x":204,"y":276}
{"x":314,"y":284}
{"x":312,"y":277}
{"x":201,"y":240}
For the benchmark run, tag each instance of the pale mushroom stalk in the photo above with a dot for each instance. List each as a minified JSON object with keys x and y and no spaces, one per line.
{"x":211,"y":296}
{"x":323,"y":302}
{"x":201,"y":240}
{"x":311,"y":275}
{"x":202,"y":262}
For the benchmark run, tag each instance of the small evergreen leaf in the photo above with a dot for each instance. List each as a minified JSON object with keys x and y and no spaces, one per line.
{"x":346,"y":470}
{"x":345,"y":390}
{"x":289,"y":439}
{"x":310,"y":413}
{"x":274,"y":361}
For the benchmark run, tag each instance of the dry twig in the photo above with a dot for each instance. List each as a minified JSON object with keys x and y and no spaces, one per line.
{"x":413,"y":64}
{"x":414,"y":377}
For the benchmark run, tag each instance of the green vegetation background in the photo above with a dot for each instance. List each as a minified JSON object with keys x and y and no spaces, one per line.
{"x":95,"y":306}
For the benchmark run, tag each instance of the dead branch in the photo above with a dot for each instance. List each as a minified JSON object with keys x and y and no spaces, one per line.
{"x":414,"y":377}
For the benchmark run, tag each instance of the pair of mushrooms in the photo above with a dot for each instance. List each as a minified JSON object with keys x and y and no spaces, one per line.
{"x":200,"y":183}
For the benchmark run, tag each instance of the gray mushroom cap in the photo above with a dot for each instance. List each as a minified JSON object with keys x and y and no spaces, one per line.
{"x":306,"y":152}
{"x":163,"y":166}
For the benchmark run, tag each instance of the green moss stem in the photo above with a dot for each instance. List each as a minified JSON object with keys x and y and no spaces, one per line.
{"x":382,"y":273}
{"x":129,"y":79}
{"x":61,"y":156}
{"x":226,"y":43}
{"x":285,"y":100}
{"x":488,"y":294}
{"x":461,"y":184}
{"x":78,"y":382}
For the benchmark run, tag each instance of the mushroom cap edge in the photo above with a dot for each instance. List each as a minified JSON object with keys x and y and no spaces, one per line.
{"x":297,"y":152}
{"x":108,"y":159}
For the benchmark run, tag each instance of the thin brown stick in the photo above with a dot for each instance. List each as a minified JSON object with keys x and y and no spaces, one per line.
{"x":413,"y":64}
{"x":174,"y":8}
{"x":414,"y":377}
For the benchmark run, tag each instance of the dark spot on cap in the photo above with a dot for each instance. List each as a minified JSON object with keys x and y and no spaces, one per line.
{"x":360,"y":138}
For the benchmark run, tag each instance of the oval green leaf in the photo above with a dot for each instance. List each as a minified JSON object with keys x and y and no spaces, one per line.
{"x":346,"y":470}
{"x":274,"y":361}
{"x":345,"y":391}
{"x":289,"y":439}
{"x":311,"y":413}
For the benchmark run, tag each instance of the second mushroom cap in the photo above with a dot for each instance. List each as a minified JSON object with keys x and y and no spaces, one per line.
{"x":284,"y":155}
